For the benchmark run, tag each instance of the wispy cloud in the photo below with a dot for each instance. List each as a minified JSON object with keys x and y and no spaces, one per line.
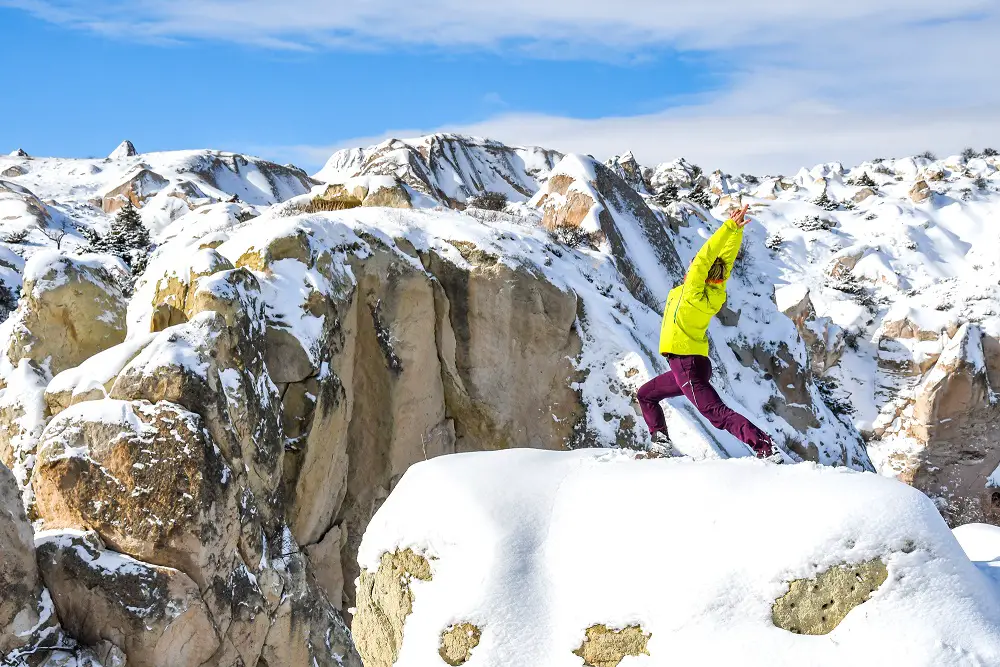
{"x":807,"y":81}
{"x":755,"y":143}
{"x":595,"y":24}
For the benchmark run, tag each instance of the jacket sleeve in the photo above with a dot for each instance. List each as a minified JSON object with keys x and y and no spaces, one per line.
{"x":725,"y":243}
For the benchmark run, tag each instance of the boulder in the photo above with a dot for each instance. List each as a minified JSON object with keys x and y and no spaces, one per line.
{"x":71,"y":308}
{"x":138,"y":188}
{"x":146,"y":478}
{"x":155,"y":615}
{"x":20,"y":586}
{"x":470,"y":551}
{"x":170,"y":298}
{"x":863,"y":194}
{"x":920,"y":192}
{"x":391,"y":196}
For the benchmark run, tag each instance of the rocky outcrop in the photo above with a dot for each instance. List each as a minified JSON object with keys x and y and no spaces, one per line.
{"x":155,"y":615}
{"x":817,"y":606}
{"x":180,"y":469}
{"x":920,"y":192}
{"x":413,"y":356}
{"x":20,"y":586}
{"x":585,"y":194}
{"x":447,"y":168}
{"x":952,"y":414}
{"x":497,"y":542}
{"x":125,"y":149}
{"x":138,"y":188}
{"x":385,"y":599}
{"x":71,"y":309}
{"x":824,"y":340}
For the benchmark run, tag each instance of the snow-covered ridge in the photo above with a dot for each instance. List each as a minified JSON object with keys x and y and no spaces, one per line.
{"x":447,"y":167}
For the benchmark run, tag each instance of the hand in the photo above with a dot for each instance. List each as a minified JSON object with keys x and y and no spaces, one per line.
{"x":739,"y":217}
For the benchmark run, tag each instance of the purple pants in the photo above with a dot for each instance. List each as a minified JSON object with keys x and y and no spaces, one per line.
{"x":690,"y":375}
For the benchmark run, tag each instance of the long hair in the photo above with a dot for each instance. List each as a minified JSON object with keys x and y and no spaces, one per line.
{"x":717,"y":273}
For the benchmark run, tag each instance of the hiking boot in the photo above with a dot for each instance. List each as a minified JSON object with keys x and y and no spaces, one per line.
{"x":767,"y":450}
{"x":661,"y":438}
{"x":775,"y":456}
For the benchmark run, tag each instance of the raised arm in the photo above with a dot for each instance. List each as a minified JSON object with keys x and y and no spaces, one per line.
{"x":725,"y":241}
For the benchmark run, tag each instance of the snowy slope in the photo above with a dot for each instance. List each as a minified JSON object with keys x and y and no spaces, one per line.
{"x":535,"y":547}
{"x":169,"y":184}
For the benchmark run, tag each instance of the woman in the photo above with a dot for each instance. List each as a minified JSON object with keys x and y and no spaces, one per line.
{"x":684,"y":342}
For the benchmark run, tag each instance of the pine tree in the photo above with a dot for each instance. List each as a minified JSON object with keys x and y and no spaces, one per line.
{"x":127,"y":238}
{"x":824,"y":202}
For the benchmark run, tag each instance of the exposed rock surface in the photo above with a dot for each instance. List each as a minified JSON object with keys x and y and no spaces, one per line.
{"x":817,"y":606}
{"x":606,"y":647}
{"x":446,"y":167}
{"x":139,"y":187}
{"x":71,"y":309}
{"x":20,"y":586}
{"x":125,"y":149}
{"x":155,"y":615}
{"x":457,"y":643}
{"x":953,"y":414}
{"x":385,"y":599}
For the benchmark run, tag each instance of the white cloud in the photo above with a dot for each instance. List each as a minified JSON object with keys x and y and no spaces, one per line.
{"x":807,"y":81}
{"x":594,"y":24}
{"x":755,"y":143}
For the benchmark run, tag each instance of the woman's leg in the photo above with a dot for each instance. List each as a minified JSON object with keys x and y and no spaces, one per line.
{"x":694,"y":375}
{"x":650,"y":395}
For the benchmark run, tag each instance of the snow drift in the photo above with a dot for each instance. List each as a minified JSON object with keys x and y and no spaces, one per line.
{"x":528,"y":558}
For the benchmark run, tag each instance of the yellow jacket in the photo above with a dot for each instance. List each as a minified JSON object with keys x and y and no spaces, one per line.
{"x":692,"y":305}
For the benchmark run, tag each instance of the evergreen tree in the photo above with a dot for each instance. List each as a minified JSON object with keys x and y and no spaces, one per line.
{"x":824,"y":202}
{"x":127,"y":238}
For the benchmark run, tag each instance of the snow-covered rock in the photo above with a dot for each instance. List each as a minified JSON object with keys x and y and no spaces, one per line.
{"x":447,"y":168}
{"x":687,"y":565}
{"x":125,"y":149}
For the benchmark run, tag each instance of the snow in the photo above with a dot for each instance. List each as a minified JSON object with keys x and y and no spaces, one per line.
{"x":981,"y":543}
{"x":97,"y":371}
{"x":787,"y":296}
{"x":176,"y":346}
{"x":526,"y":545}
{"x":124,"y":150}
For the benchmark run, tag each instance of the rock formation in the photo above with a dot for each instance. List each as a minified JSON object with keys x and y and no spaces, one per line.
{"x":499,"y":544}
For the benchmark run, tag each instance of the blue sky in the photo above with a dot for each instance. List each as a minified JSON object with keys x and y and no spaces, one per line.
{"x":200,"y":94}
{"x":739,"y":83}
